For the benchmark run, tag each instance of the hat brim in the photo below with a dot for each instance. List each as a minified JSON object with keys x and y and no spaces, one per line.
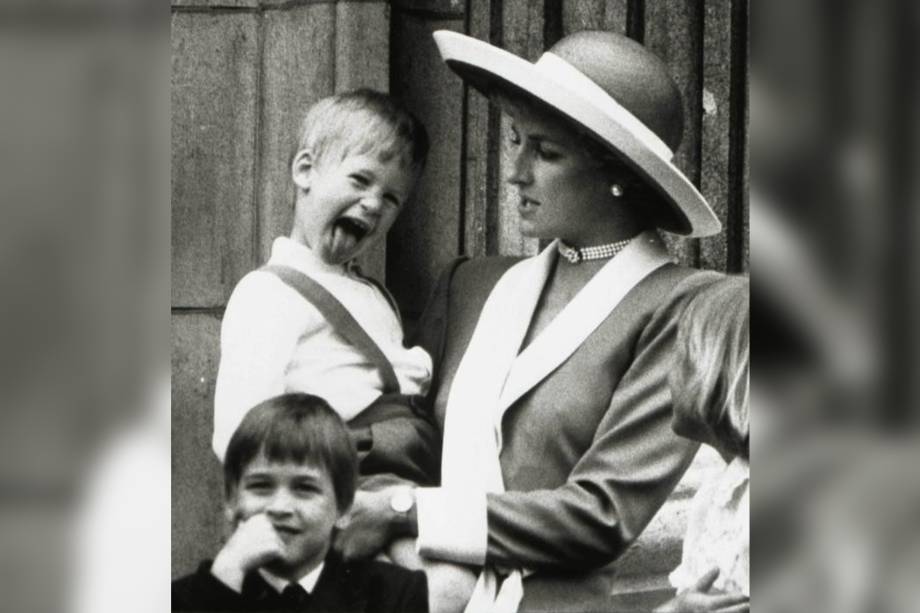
{"x":489,"y":69}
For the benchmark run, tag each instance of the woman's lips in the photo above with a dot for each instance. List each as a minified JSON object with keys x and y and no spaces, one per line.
{"x":527,"y":207}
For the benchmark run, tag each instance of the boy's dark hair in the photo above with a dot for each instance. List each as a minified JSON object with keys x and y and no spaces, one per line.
{"x":297,"y":428}
{"x":364,"y":121}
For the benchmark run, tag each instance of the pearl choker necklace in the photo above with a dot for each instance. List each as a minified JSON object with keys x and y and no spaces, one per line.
{"x":596,"y":252}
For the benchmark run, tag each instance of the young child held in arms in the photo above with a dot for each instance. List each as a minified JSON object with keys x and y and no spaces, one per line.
{"x":709,"y":385}
{"x":309,"y":321}
{"x":289,"y":473}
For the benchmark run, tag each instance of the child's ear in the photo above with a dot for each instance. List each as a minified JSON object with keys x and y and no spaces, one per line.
{"x":229,"y":512}
{"x":232,"y":509}
{"x":302,"y":168}
{"x":233,"y":516}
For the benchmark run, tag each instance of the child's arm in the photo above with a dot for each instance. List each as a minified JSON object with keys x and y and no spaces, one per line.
{"x":217,"y":586}
{"x":261,"y":327}
{"x":253,"y":544}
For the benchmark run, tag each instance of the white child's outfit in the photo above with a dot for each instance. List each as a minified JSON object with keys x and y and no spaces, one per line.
{"x":719,"y":532}
{"x":273,"y":341}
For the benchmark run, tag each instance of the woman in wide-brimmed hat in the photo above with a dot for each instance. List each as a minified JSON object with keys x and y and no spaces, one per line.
{"x":551,"y":383}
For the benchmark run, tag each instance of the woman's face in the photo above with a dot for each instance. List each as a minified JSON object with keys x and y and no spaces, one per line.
{"x":563,"y":191}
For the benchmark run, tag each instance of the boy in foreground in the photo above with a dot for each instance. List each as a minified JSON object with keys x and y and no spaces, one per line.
{"x":290,"y":473}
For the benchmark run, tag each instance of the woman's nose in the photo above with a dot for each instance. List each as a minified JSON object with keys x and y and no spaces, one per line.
{"x":521,"y":170}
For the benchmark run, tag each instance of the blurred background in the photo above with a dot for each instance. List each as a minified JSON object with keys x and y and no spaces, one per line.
{"x":834,"y":209}
{"x":90,"y":90}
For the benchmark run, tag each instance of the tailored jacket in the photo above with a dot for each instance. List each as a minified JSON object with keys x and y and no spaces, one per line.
{"x":343,"y":587}
{"x":588,"y":455}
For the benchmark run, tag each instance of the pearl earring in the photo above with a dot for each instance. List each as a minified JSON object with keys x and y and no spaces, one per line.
{"x":616,"y":190}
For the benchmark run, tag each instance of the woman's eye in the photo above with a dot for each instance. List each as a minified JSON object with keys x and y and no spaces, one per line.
{"x":258,"y":487}
{"x":391,"y":200}
{"x":547,"y":154}
{"x":359,"y":180}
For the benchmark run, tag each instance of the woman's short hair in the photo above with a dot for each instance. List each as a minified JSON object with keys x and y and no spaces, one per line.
{"x":298,"y":428}
{"x":362,"y":122}
{"x":711,"y":378}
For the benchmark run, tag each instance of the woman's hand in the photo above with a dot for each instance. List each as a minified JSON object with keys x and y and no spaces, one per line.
{"x":368,"y":526}
{"x":701,"y":598}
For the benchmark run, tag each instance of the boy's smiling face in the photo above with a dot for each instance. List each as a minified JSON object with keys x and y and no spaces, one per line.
{"x":345,"y":206}
{"x":299,"y":501}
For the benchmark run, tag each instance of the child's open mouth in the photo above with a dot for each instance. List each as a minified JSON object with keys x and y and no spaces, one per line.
{"x":354,"y":226}
{"x":347,"y":232}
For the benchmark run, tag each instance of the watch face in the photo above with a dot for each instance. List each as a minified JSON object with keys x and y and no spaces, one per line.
{"x":401,"y":501}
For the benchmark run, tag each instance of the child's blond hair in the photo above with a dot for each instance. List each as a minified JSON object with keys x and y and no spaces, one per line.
{"x":711,"y":378}
{"x":363,"y":122}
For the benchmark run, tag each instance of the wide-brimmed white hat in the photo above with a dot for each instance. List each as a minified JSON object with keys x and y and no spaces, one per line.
{"x":611,"y":86}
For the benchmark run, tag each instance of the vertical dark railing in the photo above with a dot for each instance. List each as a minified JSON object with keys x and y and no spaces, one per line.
{"x":738,"y":140}
{"x":635,"y":20}
{"x":493,"y":178}
{"x":552,"y":22}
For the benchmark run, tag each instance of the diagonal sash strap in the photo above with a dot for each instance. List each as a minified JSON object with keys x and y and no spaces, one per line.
{"x":356,"y":270}
{"x":340,"y":319}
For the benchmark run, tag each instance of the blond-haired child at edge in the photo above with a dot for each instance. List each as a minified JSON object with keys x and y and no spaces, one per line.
{"x":709,"y":384}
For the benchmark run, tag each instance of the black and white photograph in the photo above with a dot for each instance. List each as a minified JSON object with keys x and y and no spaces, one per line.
{"x":370,"y":306}
{"x":460,"y":306}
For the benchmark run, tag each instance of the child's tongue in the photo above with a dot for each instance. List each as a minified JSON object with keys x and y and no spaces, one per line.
{"x":343,"y":242}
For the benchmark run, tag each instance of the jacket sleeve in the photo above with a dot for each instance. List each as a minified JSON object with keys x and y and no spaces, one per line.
{"x":391,"y":589}
{"x":202,"y":591}
{"x":631,"y":467}
{"x":414,"y":597}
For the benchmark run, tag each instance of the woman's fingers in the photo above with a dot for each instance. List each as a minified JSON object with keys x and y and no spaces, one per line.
{"x":705,"y":582}
{"x":702,"y":602}
{"x":726,"y":600}
{"x":729,"y":603}
{"x":738,"y":608}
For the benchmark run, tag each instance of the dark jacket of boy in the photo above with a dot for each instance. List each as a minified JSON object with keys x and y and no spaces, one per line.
{"x":343,"y":587}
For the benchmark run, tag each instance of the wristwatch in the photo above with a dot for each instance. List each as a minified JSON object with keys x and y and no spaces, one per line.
{"x":402,"y":500}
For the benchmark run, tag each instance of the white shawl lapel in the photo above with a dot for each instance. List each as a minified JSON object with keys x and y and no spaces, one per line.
{"x":468,"y":458}
{"x":492,"y":375}
{"x":470,"y":461}
{"x":587,"y":310}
